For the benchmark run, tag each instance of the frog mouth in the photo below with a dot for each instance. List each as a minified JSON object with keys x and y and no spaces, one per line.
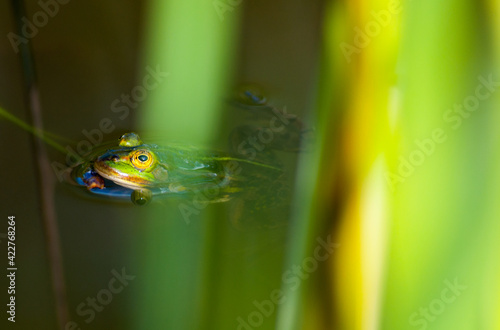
{"x":117,"y":177}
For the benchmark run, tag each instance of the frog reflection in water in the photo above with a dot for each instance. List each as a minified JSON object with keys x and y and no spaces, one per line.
{"x":142,"y":172}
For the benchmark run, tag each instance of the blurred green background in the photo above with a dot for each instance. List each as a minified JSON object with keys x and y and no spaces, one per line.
{"x":393,"y":222}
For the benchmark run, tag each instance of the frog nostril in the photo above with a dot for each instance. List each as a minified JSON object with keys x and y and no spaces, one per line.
{"x":115,"y":158}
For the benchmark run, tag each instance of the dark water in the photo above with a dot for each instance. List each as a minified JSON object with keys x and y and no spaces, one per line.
{"x":209,"y":267}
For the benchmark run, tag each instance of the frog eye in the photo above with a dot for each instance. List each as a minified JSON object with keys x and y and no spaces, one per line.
{"x":130,"y":140}
{"x":141,"y":159}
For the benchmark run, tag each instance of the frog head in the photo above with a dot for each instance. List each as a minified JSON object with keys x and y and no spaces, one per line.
{"x":133,"y":165}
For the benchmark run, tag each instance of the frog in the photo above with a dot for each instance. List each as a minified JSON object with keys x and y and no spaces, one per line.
{"x":146,"y":171}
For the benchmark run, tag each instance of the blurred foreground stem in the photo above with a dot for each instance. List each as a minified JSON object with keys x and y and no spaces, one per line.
{"x":45,"y":179}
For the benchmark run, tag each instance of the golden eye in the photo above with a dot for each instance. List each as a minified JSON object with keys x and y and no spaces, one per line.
{"x":141,"y":159}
